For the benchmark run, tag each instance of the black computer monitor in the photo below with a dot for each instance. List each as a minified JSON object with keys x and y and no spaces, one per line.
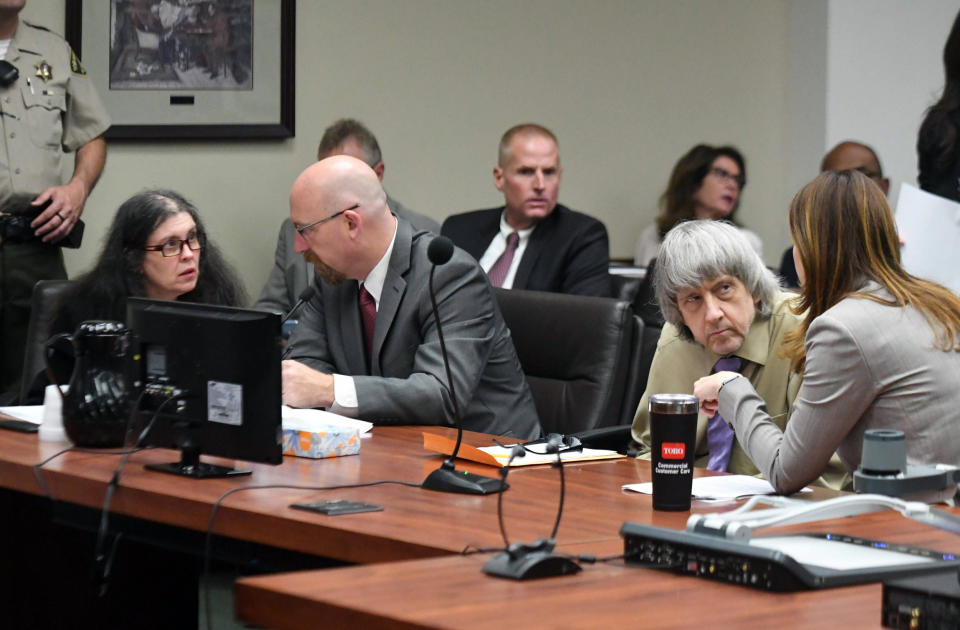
{"x":211,"y":376}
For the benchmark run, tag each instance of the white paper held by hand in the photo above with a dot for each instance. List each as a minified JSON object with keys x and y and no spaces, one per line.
{"x":718,"y":487}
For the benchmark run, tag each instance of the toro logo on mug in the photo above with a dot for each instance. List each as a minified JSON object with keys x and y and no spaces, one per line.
{"x":673,"y":450}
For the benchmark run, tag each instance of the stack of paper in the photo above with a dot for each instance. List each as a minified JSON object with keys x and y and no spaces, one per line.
{"x":500,"y":455}
{"x":930,"y":228}
{"x":718,"y":487}
{"x":30,"y":413}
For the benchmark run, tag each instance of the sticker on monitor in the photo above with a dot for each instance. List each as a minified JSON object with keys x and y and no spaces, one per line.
{"x":225,"y":403}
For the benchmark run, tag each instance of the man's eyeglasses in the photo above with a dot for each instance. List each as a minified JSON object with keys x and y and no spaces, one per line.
{"x":725,"y":175}
{"x":174,"y":246}
{"x":303,"y":229}
{"x":869,"y":173}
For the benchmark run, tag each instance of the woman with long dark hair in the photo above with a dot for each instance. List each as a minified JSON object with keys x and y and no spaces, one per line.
{"x":878,"y":348}
{"x":705,"y":184}
{"x":938,"y":144}
{"x":156,"y":247}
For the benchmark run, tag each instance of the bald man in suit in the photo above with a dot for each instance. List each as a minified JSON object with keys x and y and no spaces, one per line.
{"x":290,"y":274}
{"x":367,"y":344}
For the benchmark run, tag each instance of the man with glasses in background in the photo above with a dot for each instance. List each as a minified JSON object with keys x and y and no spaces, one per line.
{"x":846,"y":156}
{"x":367,"y":345}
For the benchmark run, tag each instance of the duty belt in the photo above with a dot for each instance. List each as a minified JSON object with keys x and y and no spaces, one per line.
{"x":17,"y":214}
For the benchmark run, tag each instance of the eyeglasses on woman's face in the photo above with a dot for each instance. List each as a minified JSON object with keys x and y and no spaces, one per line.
{"x":173,"y":246}
{"x":725,"y":175}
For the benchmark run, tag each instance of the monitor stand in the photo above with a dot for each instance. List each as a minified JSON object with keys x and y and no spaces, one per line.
{"x":191,"y":466}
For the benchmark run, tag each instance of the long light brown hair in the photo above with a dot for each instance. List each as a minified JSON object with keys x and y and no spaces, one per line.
{"x":844,"y":232}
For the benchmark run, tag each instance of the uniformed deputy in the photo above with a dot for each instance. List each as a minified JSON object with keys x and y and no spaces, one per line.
{"x":48,"y":106}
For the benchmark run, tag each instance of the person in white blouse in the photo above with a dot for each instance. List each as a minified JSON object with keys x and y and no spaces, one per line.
{"x":705,"y":184}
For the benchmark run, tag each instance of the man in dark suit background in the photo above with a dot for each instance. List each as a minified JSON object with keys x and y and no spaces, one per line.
{"x":367,"y":343}
{"x":532,"y":242}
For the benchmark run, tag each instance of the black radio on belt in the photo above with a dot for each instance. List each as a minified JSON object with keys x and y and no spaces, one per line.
{"x":15,"y":225}
{"x":8,"y":73}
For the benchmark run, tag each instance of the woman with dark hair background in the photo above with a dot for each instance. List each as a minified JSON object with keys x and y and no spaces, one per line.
{"x":938,"y":144}
{"x":878,"y":348}
{"x":705,"y":184}
{"x":157,"y":248}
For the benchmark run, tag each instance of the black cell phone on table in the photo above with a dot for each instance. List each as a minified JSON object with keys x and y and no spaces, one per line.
{"x":19,"y":425}
{"x":337,"y":507}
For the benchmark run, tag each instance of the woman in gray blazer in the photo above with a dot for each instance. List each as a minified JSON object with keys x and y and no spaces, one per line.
{"x":878,"y":348}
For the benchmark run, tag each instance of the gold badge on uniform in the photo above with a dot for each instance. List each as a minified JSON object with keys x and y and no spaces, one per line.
{"x":44,"y":70}
{"x":75,"y":66}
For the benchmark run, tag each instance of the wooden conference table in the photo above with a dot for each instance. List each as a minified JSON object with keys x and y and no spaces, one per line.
{"x":453,"y":592}
{"x":414,"y":524}
{"x":411,"y":575}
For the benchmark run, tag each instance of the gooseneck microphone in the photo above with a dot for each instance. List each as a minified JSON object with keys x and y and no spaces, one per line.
{"x":522,"y":561}
{"x":440,"y":250}
{"x":446,"y":478}
{"x":305,"y":296}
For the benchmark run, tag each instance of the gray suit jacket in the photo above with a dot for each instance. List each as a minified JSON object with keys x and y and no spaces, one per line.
{"x":406,"y":382}
{"x":291,"y":274}
{"x":869,"y":366}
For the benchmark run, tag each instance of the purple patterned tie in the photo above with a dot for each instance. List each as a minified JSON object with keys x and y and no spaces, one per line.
{"x":498,"y":272}
{"x":368,"y":313}
{"x":719,"y":434}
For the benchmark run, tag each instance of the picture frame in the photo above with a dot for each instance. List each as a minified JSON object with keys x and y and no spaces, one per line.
{"x":220,"y":69}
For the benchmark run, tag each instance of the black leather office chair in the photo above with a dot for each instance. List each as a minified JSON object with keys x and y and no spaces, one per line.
{"x":619,"y":438}
{"x":46,"y":296}
{"x":645,"y":303}
{"x":575,"y":352}
{"x":624,"y":287}
{"x":638,"y":370}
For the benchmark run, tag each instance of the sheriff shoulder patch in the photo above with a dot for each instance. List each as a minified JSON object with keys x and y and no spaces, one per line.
{"x":75,"y":66}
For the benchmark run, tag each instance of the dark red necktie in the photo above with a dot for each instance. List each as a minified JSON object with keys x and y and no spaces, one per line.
{"x":498,"y":272}
{"x":368,"y":312}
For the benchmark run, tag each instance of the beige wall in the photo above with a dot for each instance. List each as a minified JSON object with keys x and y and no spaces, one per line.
{"x":886,"y":69}
{"x":628,"y":86}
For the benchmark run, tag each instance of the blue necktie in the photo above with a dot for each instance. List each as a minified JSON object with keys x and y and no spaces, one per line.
{"x":720,"y":436}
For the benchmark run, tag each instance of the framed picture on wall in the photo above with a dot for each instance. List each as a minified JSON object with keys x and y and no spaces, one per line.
{"x":188,"y":69}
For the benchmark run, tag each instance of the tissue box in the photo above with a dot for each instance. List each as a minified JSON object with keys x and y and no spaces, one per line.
{"x":321,"y":442}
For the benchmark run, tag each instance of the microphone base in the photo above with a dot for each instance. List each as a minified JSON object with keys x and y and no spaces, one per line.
{"x":530,"y":565}
{"x":448,"y":479}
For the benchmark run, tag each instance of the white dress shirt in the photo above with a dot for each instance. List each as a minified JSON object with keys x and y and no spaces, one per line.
{"x":499,"y":244}
{"x":344,"y":390}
